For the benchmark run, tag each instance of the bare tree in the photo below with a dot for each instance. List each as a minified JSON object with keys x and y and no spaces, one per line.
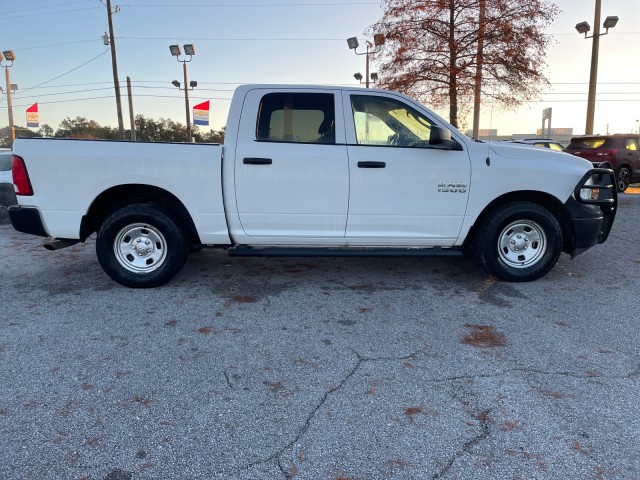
{"x":435,"y":50}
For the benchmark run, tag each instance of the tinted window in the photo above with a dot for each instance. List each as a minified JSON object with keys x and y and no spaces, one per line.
{"x":631,"y":144}
{"x":296,"y":117}
{"x":387,"y":122}
{"x":588,"y":143}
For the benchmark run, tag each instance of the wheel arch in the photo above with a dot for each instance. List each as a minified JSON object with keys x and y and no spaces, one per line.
{"x":546,"y":200}
{"x":117,"y":197}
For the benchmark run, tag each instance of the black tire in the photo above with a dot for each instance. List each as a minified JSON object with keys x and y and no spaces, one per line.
{"x":141,"y":246}
{"x":519,"y":241}
{"x":623,"y":178}
{"x":6,"y":199}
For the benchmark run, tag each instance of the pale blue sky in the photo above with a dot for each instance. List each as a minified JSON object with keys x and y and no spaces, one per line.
{"x":279,"y":41}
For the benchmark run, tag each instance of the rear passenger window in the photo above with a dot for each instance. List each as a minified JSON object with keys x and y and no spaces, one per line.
{"x":297,"y":118}
{"x":631,"y":144}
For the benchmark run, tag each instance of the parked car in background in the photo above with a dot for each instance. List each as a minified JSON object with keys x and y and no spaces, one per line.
{"x":621,"y":151}
{"x":7,"y":192}
{"x":542,"y":142}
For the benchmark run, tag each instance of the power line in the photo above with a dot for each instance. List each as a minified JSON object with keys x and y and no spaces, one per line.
{"x":112,"y":96}
{"x":49,"y":13}
{"x":246,"y":39}
{"x":49,"y":6}
{"x":19,"y":96}
{"x":58,"y":44}
{"x":225,"y":5}
{"x":242,"y":5}
{"x":68,"y":72}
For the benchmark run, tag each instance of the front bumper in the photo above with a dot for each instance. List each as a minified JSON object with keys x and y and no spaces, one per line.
{"x":27,"y":220}
{"x":592,"y":219}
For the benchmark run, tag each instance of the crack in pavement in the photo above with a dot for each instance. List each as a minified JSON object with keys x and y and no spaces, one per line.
{"x":484,"y":418}
{"x":307,"y":423}
{"x":483,"y":415}
{"x":536,"y":371}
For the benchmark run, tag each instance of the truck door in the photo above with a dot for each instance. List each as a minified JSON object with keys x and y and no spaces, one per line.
{"x":291,"y":167}
{"x":404,"y":190}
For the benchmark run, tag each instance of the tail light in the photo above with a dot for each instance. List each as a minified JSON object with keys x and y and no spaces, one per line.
{"x":608,"y":153}
{"x":20,"y":176}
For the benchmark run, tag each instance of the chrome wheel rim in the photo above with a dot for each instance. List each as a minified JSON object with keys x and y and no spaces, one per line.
{"x":522,"y":244}
{"x":140,"y":248}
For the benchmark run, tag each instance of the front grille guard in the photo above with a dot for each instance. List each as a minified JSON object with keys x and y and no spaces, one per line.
{"x":602,"y":179}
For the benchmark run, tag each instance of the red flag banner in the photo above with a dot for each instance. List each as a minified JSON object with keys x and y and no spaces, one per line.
{"x":32,"y":116}
{"x":201,"y":113}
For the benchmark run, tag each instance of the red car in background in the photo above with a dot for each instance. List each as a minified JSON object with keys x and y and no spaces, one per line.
{"x":621,"y":151}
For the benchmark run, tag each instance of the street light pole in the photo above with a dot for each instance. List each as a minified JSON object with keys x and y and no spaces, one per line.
{"x":584,"y":27}
{"x":189,"y":49}
{"x":593,"y":76}
{"x":186,"y":101}
{"x":367,"y":67}
{"x":8,"y":56}
{"x":378,"y":41}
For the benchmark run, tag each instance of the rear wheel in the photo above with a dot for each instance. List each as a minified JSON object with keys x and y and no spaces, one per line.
{"x":519,"y":241}
{"x":6,"y":199}
{"x":141,"y":246}
{"x":623,"y":178}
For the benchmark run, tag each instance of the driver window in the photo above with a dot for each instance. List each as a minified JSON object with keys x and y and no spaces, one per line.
{"x":382,"y":121}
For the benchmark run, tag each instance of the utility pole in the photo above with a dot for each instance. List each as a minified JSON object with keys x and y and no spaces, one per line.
{"x":12,"y":129}
{"x":477,"y":91}
{"x":114,"y":63}
{"x":131,"y":116}
{"x":6,"y":60}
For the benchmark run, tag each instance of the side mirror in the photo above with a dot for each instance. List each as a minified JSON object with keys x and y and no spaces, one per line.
{"x":441,"y":138}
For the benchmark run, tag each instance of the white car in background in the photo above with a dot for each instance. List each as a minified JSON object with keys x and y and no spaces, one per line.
{"x":7,"y":192}
{"x":541,"y":142}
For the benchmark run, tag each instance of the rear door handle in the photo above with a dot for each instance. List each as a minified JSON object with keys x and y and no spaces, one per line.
{"x":257,"y":161}
{"x":372,"y":164}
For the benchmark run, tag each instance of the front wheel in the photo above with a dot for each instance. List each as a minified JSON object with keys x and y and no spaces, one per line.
{"x":519,"y":241}
{"x":141,"y":246}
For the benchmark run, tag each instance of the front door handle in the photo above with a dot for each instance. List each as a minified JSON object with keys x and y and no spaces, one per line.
{"x":257,"y":161}
{"x":372,"y":164}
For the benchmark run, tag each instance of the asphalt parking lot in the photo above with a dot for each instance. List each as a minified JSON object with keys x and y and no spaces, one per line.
{"x":320,"y":368}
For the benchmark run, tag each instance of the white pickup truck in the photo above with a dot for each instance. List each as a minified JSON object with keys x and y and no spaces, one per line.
{"x":308,"y":171}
